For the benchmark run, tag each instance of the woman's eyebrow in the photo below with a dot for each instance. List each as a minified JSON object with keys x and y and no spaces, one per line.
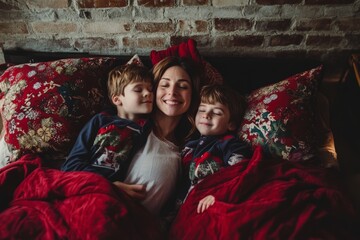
{"x":179,"y":80}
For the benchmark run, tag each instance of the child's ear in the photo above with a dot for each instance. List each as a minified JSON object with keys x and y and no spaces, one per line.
{"x":231,"y":126}
{"x":116,"y":99}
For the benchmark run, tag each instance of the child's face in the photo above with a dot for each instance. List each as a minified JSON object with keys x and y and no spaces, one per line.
{"x":137,"y":99}
{"x":213,"y":119}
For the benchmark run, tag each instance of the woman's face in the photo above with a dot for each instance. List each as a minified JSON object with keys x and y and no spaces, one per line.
{"x":173,"y":94}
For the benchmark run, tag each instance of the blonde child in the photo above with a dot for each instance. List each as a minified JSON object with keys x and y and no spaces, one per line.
{"x":107,"y":142}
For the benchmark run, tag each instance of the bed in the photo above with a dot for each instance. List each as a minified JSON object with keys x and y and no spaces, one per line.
{"x":291,"y":188}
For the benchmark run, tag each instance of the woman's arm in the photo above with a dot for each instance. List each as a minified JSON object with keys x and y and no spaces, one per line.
{"x":135,"y":191}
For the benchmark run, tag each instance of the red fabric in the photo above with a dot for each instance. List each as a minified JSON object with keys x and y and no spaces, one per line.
{"x":262,"y":199}
{"x":43,"y":105}
{"x":280,"y":117}
{"x":185,"y":49}
{"x":51,"y":204}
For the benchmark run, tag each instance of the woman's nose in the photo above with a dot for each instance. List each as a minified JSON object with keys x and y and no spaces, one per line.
{"x":171,"y":91}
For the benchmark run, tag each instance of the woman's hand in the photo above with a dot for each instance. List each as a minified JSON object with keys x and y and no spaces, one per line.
{"x":135,"y":191}
{"x":205,"y":203}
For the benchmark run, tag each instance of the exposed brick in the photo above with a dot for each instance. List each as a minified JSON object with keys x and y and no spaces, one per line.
{"x":107,"y":27}
{"x":276,"y":2}
{"x":151,"y":43}
{"x":54,"y":27}
{"x":348,"y":24}
{"x":323,"y":2}
{"x":239,"y":41}
{"x":232,"y":24}
{"x":323,"y":41}
{"x":313,"y":24}
{"x":285,"y":40}
{"x":227,"y":3}
{"x":280,"y":25}
{"x":8,"y":6}
{"x":201,"y":26}
{"x":200,"y":40}
{"x":156,"y":3}
{"x":48,"y":3}
{"x":93,"y":44}
{"x":195,"y":2}
{"x":126,"y":41}
{"x":102,"y":3}
{"x":188,"y":27}
{"x":152,"y":27}
{"x":144,"y":43}
{"x":13,"y":28}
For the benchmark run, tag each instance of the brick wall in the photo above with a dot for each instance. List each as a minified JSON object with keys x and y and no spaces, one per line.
{"x":313,"y":28}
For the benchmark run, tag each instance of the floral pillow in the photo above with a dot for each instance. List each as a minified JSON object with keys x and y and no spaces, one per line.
{"x":280,"y":117}
{"x":44,"y":105}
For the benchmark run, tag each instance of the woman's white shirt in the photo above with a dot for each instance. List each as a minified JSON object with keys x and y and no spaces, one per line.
{"x":157,"y":166}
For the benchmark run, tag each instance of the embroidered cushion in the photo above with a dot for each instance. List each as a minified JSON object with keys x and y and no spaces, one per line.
{"x":280,"y":117}
{"x":44,"y":105}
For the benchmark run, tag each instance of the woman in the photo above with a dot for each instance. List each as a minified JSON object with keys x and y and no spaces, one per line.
{"x":155,"y":168}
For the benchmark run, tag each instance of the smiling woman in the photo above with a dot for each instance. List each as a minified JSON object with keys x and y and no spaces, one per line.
{"x":156,"y":166}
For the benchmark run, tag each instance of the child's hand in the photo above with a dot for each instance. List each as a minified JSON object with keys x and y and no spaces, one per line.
{"x":205,"y":203}
{"x":135,"y":191}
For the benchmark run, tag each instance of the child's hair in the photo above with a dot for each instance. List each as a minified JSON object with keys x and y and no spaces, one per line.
{"x":236,"y":103}
{"x":121,"y":76}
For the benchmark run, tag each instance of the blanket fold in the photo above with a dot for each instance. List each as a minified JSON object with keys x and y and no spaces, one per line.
{"x":268,"y":199}
{"x":51,"y":204}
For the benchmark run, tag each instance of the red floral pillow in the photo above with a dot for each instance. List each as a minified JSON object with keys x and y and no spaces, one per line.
{"x":43,"y":105}
{"x":280,"y":117}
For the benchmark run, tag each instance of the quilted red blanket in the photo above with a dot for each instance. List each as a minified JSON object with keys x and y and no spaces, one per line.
{"x":268,"y":199}
{"x":40,"y":203}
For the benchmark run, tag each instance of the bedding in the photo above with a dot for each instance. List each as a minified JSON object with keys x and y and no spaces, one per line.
{"x":42,"y":203}
{"x":280,"y":117}
{"x":264,"y":198}
{"x":276,"y":194}
{"x":44,"y":104}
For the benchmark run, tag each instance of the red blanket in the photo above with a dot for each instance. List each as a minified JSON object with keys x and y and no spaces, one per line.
{"x":40,"y":203}
{"x":268,"y":199}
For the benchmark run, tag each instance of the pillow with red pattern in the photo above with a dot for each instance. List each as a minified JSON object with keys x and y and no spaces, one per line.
{"x":280,"y":117}
{"x":44,"y":105}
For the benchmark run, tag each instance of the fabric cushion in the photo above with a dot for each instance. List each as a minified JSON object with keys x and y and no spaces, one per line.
{"x":44,"y":105}
{"x":280,"y":117}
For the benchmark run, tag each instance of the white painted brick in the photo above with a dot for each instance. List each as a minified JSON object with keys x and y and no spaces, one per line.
{"x":47,"y":3}
{"x":105,"y":27}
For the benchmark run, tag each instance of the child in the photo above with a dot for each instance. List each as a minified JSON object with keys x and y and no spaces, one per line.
{"x":106,"y":143}
{"x":217,"y":119}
